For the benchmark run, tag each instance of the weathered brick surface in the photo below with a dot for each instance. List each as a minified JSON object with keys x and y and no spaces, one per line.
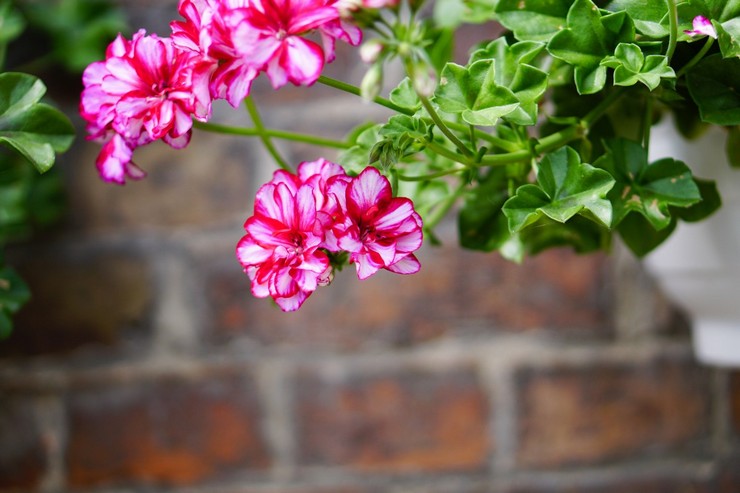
{"x":456,"y":292}
{"x":206,"y":184}
{"x":23,"y":457}
{"x":393,"y":421}
{"x":734,"y":397}
{"x":168,"y":430}
{"x":589,"y":415}
{"x":79,"y":298}
{"x":623,"y":485}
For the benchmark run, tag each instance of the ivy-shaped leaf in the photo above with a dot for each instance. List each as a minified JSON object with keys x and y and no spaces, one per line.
{"x":631,"y":66}
{"x":587,"y":40}
{"x":481,"y":224}
{"x":33,"y":129}
{"x":728,"y":35}
{"x":566,"y":187}
{"x":714,"y":84}
{"x":404,"y":95}
{"x":650,"y":17}
{"x":473,"y":93}
{"x":648,"y":189}
{"x":535,"y":20}
{"x":513,"y":70}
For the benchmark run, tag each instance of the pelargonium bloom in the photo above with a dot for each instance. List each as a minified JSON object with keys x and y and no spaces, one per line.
{"x":702,"y":27}
{"x":143,"y":91}
{"x":280,"y":251}
{"x":213,"y":30}
{"x":282,"y":26}
{"x":379,"y":231}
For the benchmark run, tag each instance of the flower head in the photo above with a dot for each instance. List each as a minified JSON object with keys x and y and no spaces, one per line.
{"x":702,"y":27}
{"x":379,"y":231}
{"x":144,"y":91}
{"x":280,"y":251}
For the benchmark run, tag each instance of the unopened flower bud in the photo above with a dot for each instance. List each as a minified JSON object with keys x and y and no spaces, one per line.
{"x":370,"y":50}
{"x":372,"y":82}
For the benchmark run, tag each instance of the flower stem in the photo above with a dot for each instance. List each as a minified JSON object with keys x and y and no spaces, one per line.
{"x":252,"y":109}
{"x":443,"y":127}
{"x":444,"y":207}
{"x":276,"y":134}
{"x":673,"y":37}
{"x":697,"y":58}
{"x":349,"y":88}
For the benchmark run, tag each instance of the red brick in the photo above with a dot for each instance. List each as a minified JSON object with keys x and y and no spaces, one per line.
{"x":623,"y":485}
{"x":206,"y":184}
{"x":79,"y":299}
{"x":594,"y":414}
{"x":166,"y":431}
{"x":456,"y":292}
{"x":735,"y":402}
{"x":23,"y":447}
{"x":394,"y":421}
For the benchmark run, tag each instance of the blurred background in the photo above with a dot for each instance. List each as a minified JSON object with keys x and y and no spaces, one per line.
{"x":143,"y":364}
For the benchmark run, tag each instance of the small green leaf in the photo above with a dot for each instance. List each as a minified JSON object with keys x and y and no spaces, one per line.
{"x":640,"y":236}
{"x":728,"y":35}
{"x":566,"y":187}
{"x":631,"y":67}
{"x":648,"y":189}
{"x":513,"y":70}
{"x":714,"y":84}
{"x":650,"y":17}
{"x":587,"y":40}
{"x":473,"y":93}
{"x":535,"y":20}
{"x":481,"y":224}
{"x":12,"y":23}
{"x":404,"y":95}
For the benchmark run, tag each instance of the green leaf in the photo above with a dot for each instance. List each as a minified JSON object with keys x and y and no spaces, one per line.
{"x":566,"y":187}
{"x":589,"y":38}
{"x":720,"y":10}
{"x":648,"y":189}
{"x":710,"y":202}
{"x":631,"y":67}
{"x":12,"y":23}
{"x":640,"y":236}
{"x":14,"y":293}
{"x":650,"y":17}
{"x":481,"y":224}
{"x":513,"y":70}
{"x":473,"y":93}
{"x":714,"y":84}
{"x":535,"y":20}
{"x":79,"y":30}
{"x":404,"y":95}
{"x":728,"y":35}
{"x":35,"y":130}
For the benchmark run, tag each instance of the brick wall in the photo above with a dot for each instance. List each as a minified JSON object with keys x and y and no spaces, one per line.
{"x":144,"y":365}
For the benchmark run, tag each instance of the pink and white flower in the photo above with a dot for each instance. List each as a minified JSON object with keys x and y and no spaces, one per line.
{"x":702,"y":27}
{"x":145,"y":90}
{"x":379,"y":231}
{"x":280,"y":251}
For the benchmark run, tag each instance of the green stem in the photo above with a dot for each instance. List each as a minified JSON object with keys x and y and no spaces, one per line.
{"x":349,"y":88}
{"x":261,"y":132}
{"x":273,"y":133}
{"x":601,"y":108}
{"x":444,"y":207}
{"x":647,"y":123}
{"x":673,"y":20}
{"x":697,"y":58}
{"x":443,"y":127}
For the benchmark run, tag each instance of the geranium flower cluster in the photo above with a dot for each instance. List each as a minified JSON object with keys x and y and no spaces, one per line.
{"x":302,"y":219}
{"x":150,"y":88}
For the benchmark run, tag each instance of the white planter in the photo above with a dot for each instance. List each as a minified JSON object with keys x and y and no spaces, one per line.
{"x":699,"y":265}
